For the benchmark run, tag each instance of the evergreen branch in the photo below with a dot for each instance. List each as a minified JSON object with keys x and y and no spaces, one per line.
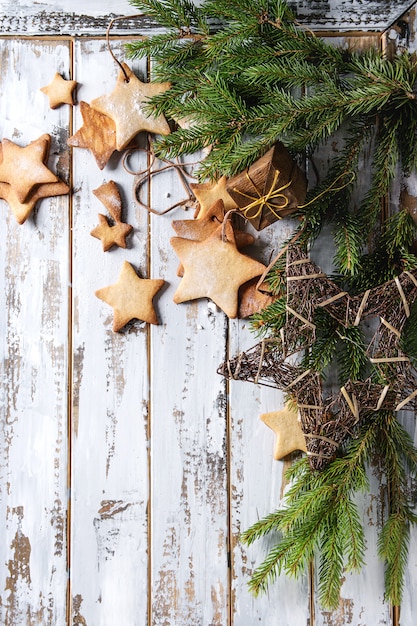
{"x":349,"y":243}
{"x":271,"y":319}
{"x":393,"y":549}
{"x":331,"y":563}
{"x":352,"y":358}
{"x":322,"y":352}
{"x":171,"y":13}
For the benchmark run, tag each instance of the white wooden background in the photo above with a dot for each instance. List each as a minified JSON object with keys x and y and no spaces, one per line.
{"x":128,"y":466}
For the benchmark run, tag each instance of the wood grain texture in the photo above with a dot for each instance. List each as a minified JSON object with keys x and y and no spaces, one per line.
{"x":83,"y":18}
{"x":109,"y":545}
{"x":167,"y":462}
{"x":189,"y":470}
{"x":34,"y":275}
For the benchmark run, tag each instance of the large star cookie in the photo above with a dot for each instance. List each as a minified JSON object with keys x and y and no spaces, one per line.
{"x":23,"y":168}
{"x":125,"y":106}
{"x":22,"y":210}
{"x":215,"y":269}
{"x":59,"y":91}
{"x":97,"y":134}
{"x":289,"y":436}
{"x":198,"y":230}
{"x":131,"y":297}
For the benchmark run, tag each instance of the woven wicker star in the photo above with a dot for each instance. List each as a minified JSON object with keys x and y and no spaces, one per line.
{"x":327,"y":421}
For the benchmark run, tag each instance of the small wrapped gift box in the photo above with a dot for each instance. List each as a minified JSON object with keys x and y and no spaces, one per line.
{"x":270,"y":189}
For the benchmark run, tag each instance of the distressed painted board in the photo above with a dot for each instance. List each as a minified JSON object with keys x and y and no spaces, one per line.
{"x":110,"y":439}
{"x":257,"y":482}
{"x":189,"y":463}
{"x":81,"y":18}
{"x":167,"y":462}
{"x":34,"y":315}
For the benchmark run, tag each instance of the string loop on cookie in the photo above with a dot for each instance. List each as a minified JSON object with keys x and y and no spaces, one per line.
{"x":110,"y":24}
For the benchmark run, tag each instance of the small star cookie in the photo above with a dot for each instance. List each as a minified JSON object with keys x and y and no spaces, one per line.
{"x":131,"y":297}
{"x":208,"y":193}
{"x":111,"y":234}
{"x":125,"y":106}
{"x":59,"y":91}
{"x":289,"y":435}
{"x":215,"y":269}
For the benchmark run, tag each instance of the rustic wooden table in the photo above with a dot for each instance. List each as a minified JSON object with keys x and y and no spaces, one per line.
{"x":128,"y":466}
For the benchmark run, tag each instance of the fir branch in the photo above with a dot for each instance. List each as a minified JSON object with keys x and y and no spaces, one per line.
{"x":349,"y":242}
{"x":177,"y":14}
{"x":322,"y":352}
{"x":352,"y":358}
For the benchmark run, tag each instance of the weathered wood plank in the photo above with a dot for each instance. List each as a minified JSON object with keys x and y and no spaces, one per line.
{"x":109,"y":550}
{"x":188,"y":451}
{"x":257,"y":481}
{"x":34,"y":274}
{"x":81,"y":18}
{"x":188,"y":445}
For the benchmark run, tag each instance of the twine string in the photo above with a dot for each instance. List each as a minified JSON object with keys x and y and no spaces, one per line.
{"x":110,"y":24}
{"x":146,"y":174}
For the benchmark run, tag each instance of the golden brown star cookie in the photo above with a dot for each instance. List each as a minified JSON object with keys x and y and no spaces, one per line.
{"x":59,"y":91}
{"x":131,"y":297}
{"x":289,"y":436}
{"x":200,"y":229}
{"x":208,"y":193}
{"x":253,"y":299}
{"x":97,"y":134}
{"x":111,"y":234}
{"x":23,"y":168}
{"x":22,"y":210}
{"x":214,"y":268}
{"x":125,"y":106}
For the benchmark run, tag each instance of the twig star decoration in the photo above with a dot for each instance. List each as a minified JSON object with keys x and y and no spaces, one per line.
{"x":391,"y":383}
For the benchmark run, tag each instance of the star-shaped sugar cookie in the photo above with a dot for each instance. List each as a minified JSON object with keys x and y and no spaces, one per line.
{"x":125,"y":106}
{"x":131,"y":297}
{"x":208,"y":193}
{"x":23,"y":168}
{"x":59,"y":91}
{"x":200,"y":229}
{"x":111,"y":234}
{"x":215,"y":269}
{"x":289,"y":436}
{"x":97,"y":134}
{"x":22,"y":210}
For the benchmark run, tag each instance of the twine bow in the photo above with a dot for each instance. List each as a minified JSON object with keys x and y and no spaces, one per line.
{"x":262,"y":201}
